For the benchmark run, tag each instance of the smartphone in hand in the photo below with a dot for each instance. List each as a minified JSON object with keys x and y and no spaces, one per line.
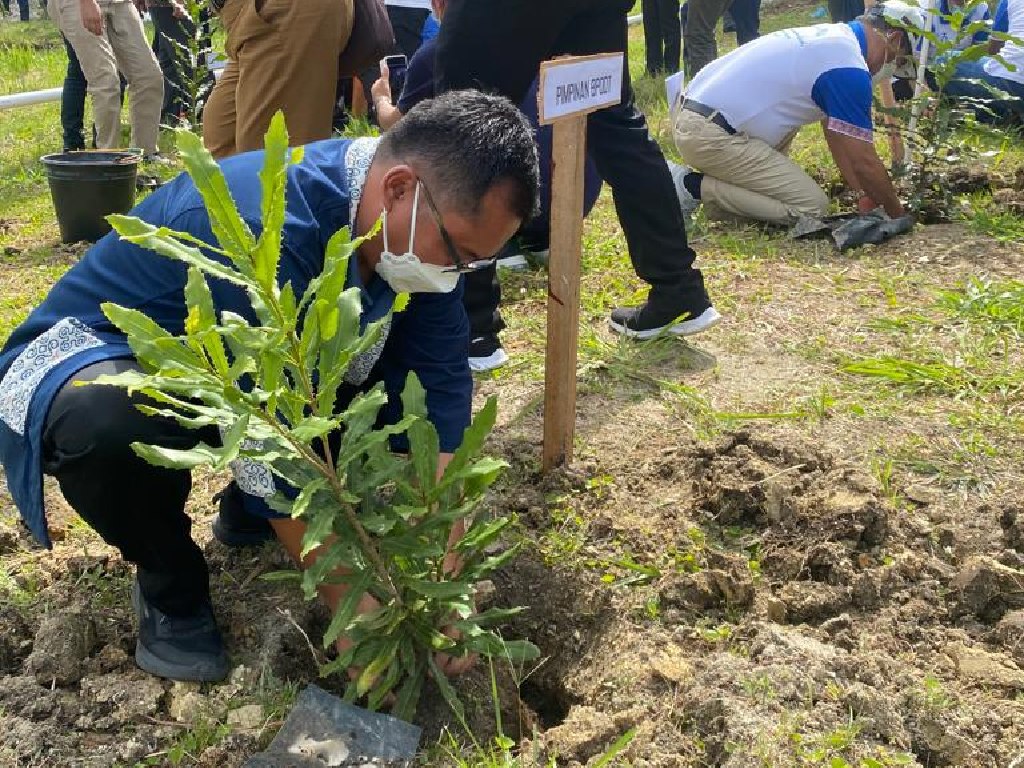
{"x":398,"y":67}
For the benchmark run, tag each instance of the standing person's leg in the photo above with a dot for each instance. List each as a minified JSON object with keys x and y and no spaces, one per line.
{"x":645,"y":198}
{"x":99,"y":64}
{"x":171,"y":32}
{"x":481,"y":298}
{"x":287,"y":57}
{"x":671,"y":33}
{"x":72,"y":103}
{"x":24,"y":10}
{"x":219,"y":113}
{"x":701,"y":22}
{"x":653,"y":36}
{"x":747,"y":14}
{"x":145,"y":80}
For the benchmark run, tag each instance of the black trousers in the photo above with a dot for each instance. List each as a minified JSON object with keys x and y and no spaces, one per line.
{"x":481,"y":297}
{"x":499,"y":44}
{"x":845,"y":10}
{"x":662,"y":35}
{"x":134,"y":506}
{"x":170,"y":44}
{"x":747,"y":16}
{"x":407,"y":24}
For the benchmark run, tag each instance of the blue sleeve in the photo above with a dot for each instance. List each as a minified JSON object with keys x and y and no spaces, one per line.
{"x":844,"y":95}
{"x":431,"y":339}
{"x":1001,"y":23}
{"x":419,"y":78}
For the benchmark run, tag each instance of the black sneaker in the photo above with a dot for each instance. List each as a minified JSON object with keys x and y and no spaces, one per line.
{"x":187,"y":648}
{"x":486,"y":353}
{"x":233,"y":526}
{"x":646,"y":323}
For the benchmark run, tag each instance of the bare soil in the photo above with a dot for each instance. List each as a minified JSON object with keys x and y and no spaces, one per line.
{"x":739,"y":594}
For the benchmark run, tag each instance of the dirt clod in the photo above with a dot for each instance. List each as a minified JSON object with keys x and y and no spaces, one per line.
{"x":809,"y":602}
{"x":1012,"y":522}
{"x":1010,"y":634}
{"x":984,"y":668}
{"x":988,"y":588}
{"x":247,"y":718}
{"x":60,"y":648}
{"x":126,"y":696}
{"x":709,"y":589}
{"x":585,"y":733}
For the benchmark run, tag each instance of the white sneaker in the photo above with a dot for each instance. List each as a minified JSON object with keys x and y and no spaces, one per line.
{"x":687,"y":202}
{"x":486,"y":354}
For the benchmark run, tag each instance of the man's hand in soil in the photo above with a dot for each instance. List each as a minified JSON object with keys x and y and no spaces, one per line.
{"x":92,"y":18}
{"x":863,"y":170}
{"x":290,"y":532}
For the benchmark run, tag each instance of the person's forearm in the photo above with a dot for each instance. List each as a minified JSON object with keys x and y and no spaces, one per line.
{"x":387,"y":113}
{"x":863,"y":171}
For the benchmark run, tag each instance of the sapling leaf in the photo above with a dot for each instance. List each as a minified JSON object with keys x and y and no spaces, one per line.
{"x":345,"y":613}
{"x":409,"y":693}
{"x":374,"y":669}
{"x":451,"y":698}
{"x":231,"y":442}
{"x":273,"y":183}
{"x":423,"y":441}
{"x":175,"y":458}
{"x":227,"y":225}
{"x":168,"y":242}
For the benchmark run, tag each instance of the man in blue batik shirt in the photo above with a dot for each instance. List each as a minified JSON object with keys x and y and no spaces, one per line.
{"x":740,"y":113}
{"x":453,"y":183}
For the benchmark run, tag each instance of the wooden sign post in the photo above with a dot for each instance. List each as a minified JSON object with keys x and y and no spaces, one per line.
{"x":570,"y":89}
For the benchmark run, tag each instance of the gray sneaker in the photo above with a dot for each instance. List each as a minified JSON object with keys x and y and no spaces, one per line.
{"x":186,"y":648}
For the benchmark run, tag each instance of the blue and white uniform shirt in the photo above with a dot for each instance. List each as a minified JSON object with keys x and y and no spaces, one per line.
{"x":775,"y":85}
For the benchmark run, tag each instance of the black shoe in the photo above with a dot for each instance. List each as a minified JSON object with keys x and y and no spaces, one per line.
{"x":646,"y":323}
{"x":486,"y":353}
{"x":233,"y":526}
{"x":186,"y":648}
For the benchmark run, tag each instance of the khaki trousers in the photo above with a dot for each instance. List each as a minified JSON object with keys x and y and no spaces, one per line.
{"x":283,"y":55}
{"x":745,"y":177}
{"x":122,"y":46}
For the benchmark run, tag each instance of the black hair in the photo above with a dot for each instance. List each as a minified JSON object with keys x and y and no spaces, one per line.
{"x":465,"y":143}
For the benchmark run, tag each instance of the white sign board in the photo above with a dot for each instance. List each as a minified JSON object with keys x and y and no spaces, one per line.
{"x":674,"y":89}
{"x":579,"y":85}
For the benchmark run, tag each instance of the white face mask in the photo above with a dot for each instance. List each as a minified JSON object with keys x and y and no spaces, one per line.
{"x":405,"y":273}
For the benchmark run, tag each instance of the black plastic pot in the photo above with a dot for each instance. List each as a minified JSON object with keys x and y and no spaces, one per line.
{"x":88,"y":186}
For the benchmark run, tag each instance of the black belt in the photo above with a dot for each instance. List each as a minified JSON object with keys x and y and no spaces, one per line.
{"x":711,"y":113}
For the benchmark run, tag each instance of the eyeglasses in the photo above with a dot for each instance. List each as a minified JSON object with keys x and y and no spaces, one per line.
{"x":460,"y":267}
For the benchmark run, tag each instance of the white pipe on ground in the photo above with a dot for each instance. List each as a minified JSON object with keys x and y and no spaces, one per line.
{"x":31,"y":97}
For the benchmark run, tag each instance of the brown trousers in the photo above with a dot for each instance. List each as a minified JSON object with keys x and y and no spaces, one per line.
{"x":283,"y":55}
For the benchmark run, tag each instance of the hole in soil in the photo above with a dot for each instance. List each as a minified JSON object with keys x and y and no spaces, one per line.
{"x":550,"y":702}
